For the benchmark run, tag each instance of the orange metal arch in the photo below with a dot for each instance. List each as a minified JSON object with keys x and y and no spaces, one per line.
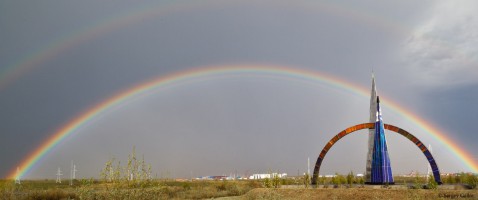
{"x":409,"y":136}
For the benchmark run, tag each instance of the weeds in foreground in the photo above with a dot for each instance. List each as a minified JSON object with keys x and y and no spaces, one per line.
{"x":157,"y":189}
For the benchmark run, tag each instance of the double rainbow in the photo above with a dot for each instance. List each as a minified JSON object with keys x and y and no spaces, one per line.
{"x":84,"y":118}
{"x":56,"y":47}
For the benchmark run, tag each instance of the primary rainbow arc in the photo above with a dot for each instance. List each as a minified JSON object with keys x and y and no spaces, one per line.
{"x":74,"y":125}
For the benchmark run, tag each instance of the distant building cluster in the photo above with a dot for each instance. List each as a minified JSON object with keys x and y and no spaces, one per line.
{"x":252,"y":177}
{"x":217,"y":178}
{"x":263,"y":176}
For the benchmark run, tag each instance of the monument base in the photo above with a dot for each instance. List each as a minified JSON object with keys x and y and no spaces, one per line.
{"x":370,"y":183}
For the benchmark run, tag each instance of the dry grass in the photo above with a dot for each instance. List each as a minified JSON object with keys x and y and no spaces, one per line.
{"x":212,"y":189}
{"x":358,"y":193}
{"x":152,"y":190}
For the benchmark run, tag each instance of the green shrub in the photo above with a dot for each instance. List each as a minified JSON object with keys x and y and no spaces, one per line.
{"x":306,"y":180}
{"x":350,"y":178}
{"x":471,"y":180}
{"x":431,"y":182}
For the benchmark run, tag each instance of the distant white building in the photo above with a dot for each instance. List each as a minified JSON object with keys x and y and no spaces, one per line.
{"x":331,"y":176}
{"x":263,"y":176}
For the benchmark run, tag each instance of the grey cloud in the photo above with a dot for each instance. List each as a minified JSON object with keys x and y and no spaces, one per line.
{"x":443,"y":51}
{"x":207,"y":122}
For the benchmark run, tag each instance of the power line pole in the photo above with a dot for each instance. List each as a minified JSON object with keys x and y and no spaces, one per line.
{"x":58,"y":176}
{"x":308,"y":165}
{"x":17,"y":177}
{"x":72,"y":173}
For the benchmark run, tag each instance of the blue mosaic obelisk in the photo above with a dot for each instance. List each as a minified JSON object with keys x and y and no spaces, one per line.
{"x":381,"y":171}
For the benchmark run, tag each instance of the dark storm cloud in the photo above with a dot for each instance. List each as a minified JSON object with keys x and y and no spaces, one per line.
{"x":243,"y":124}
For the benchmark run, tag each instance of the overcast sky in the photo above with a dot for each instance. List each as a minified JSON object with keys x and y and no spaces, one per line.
{"x":424,"y":55}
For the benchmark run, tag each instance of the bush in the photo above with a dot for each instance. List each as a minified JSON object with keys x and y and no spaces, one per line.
{"x":350,"y":178}
{"x":306,"y":180}
{"x":222,"y":187}
{"x":431,"y":183}
{"x":267,"y":183}
{"x":186,"y":186}
{"x":234,"y":189}
{"x":471,"y":180}
{"x":276,"y":181}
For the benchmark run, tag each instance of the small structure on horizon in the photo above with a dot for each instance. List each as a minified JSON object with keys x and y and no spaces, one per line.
{"x":58,"y":175}
{"x":72,"y":172}
{"x":17,"y":177}
{"x":308,"y":166}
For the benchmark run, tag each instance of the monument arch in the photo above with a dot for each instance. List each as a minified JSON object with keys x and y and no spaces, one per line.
{"x":409,"y":136}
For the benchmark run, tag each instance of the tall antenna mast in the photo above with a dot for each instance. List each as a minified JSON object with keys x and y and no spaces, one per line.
{"x":17,"y":177}
{"x":308,"y":165}
{"x":428,"y":166}
{"x":58,"y":176}
{"x":72,"y":172}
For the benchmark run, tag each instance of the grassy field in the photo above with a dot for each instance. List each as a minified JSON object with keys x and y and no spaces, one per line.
{"x":358,"y":193}
{"x":91,"y":189}
{"x":245,"y":189}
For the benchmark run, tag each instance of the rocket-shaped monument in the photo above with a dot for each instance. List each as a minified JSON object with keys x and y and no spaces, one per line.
{"x":371,"y":132}
{"x":378,"y":169}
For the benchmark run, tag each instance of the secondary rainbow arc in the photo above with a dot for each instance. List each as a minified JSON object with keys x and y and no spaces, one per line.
{"x":109,"y":24}
{"x":74,"y":125}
